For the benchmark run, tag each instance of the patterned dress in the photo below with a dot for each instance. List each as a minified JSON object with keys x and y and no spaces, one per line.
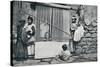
{"x":30,"y":30}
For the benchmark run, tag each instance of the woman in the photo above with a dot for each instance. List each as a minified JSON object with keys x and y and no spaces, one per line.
{"x":30,"y":31}
{"x":73,"y":27}
{"x":21,"y":48}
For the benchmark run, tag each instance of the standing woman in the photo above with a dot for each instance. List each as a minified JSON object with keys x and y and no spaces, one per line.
{"x":30,"y":31}
{"x":75,"y":20}
{"x":79,"y":32}
{"x":20,"y":46}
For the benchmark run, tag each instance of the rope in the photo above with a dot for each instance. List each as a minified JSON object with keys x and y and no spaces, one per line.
{"x":52,"y":25}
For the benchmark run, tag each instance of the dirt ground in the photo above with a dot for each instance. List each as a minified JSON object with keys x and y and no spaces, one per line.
{"x":72,"y":59}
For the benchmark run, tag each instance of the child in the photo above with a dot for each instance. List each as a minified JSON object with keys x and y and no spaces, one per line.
{"x":64,"y":54}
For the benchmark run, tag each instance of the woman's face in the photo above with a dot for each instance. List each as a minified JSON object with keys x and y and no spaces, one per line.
{"x":29,"y":21}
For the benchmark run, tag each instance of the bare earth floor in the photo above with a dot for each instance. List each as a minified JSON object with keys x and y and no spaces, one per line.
{"x":72,"y":59}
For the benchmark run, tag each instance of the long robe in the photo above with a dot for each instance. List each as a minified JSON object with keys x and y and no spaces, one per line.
{"x":21,"y":47}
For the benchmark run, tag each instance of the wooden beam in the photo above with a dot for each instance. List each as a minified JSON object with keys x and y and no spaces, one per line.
{"x":54,"y":5}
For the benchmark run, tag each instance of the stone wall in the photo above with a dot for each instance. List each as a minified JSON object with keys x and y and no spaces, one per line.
{"x":88,"y":43}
